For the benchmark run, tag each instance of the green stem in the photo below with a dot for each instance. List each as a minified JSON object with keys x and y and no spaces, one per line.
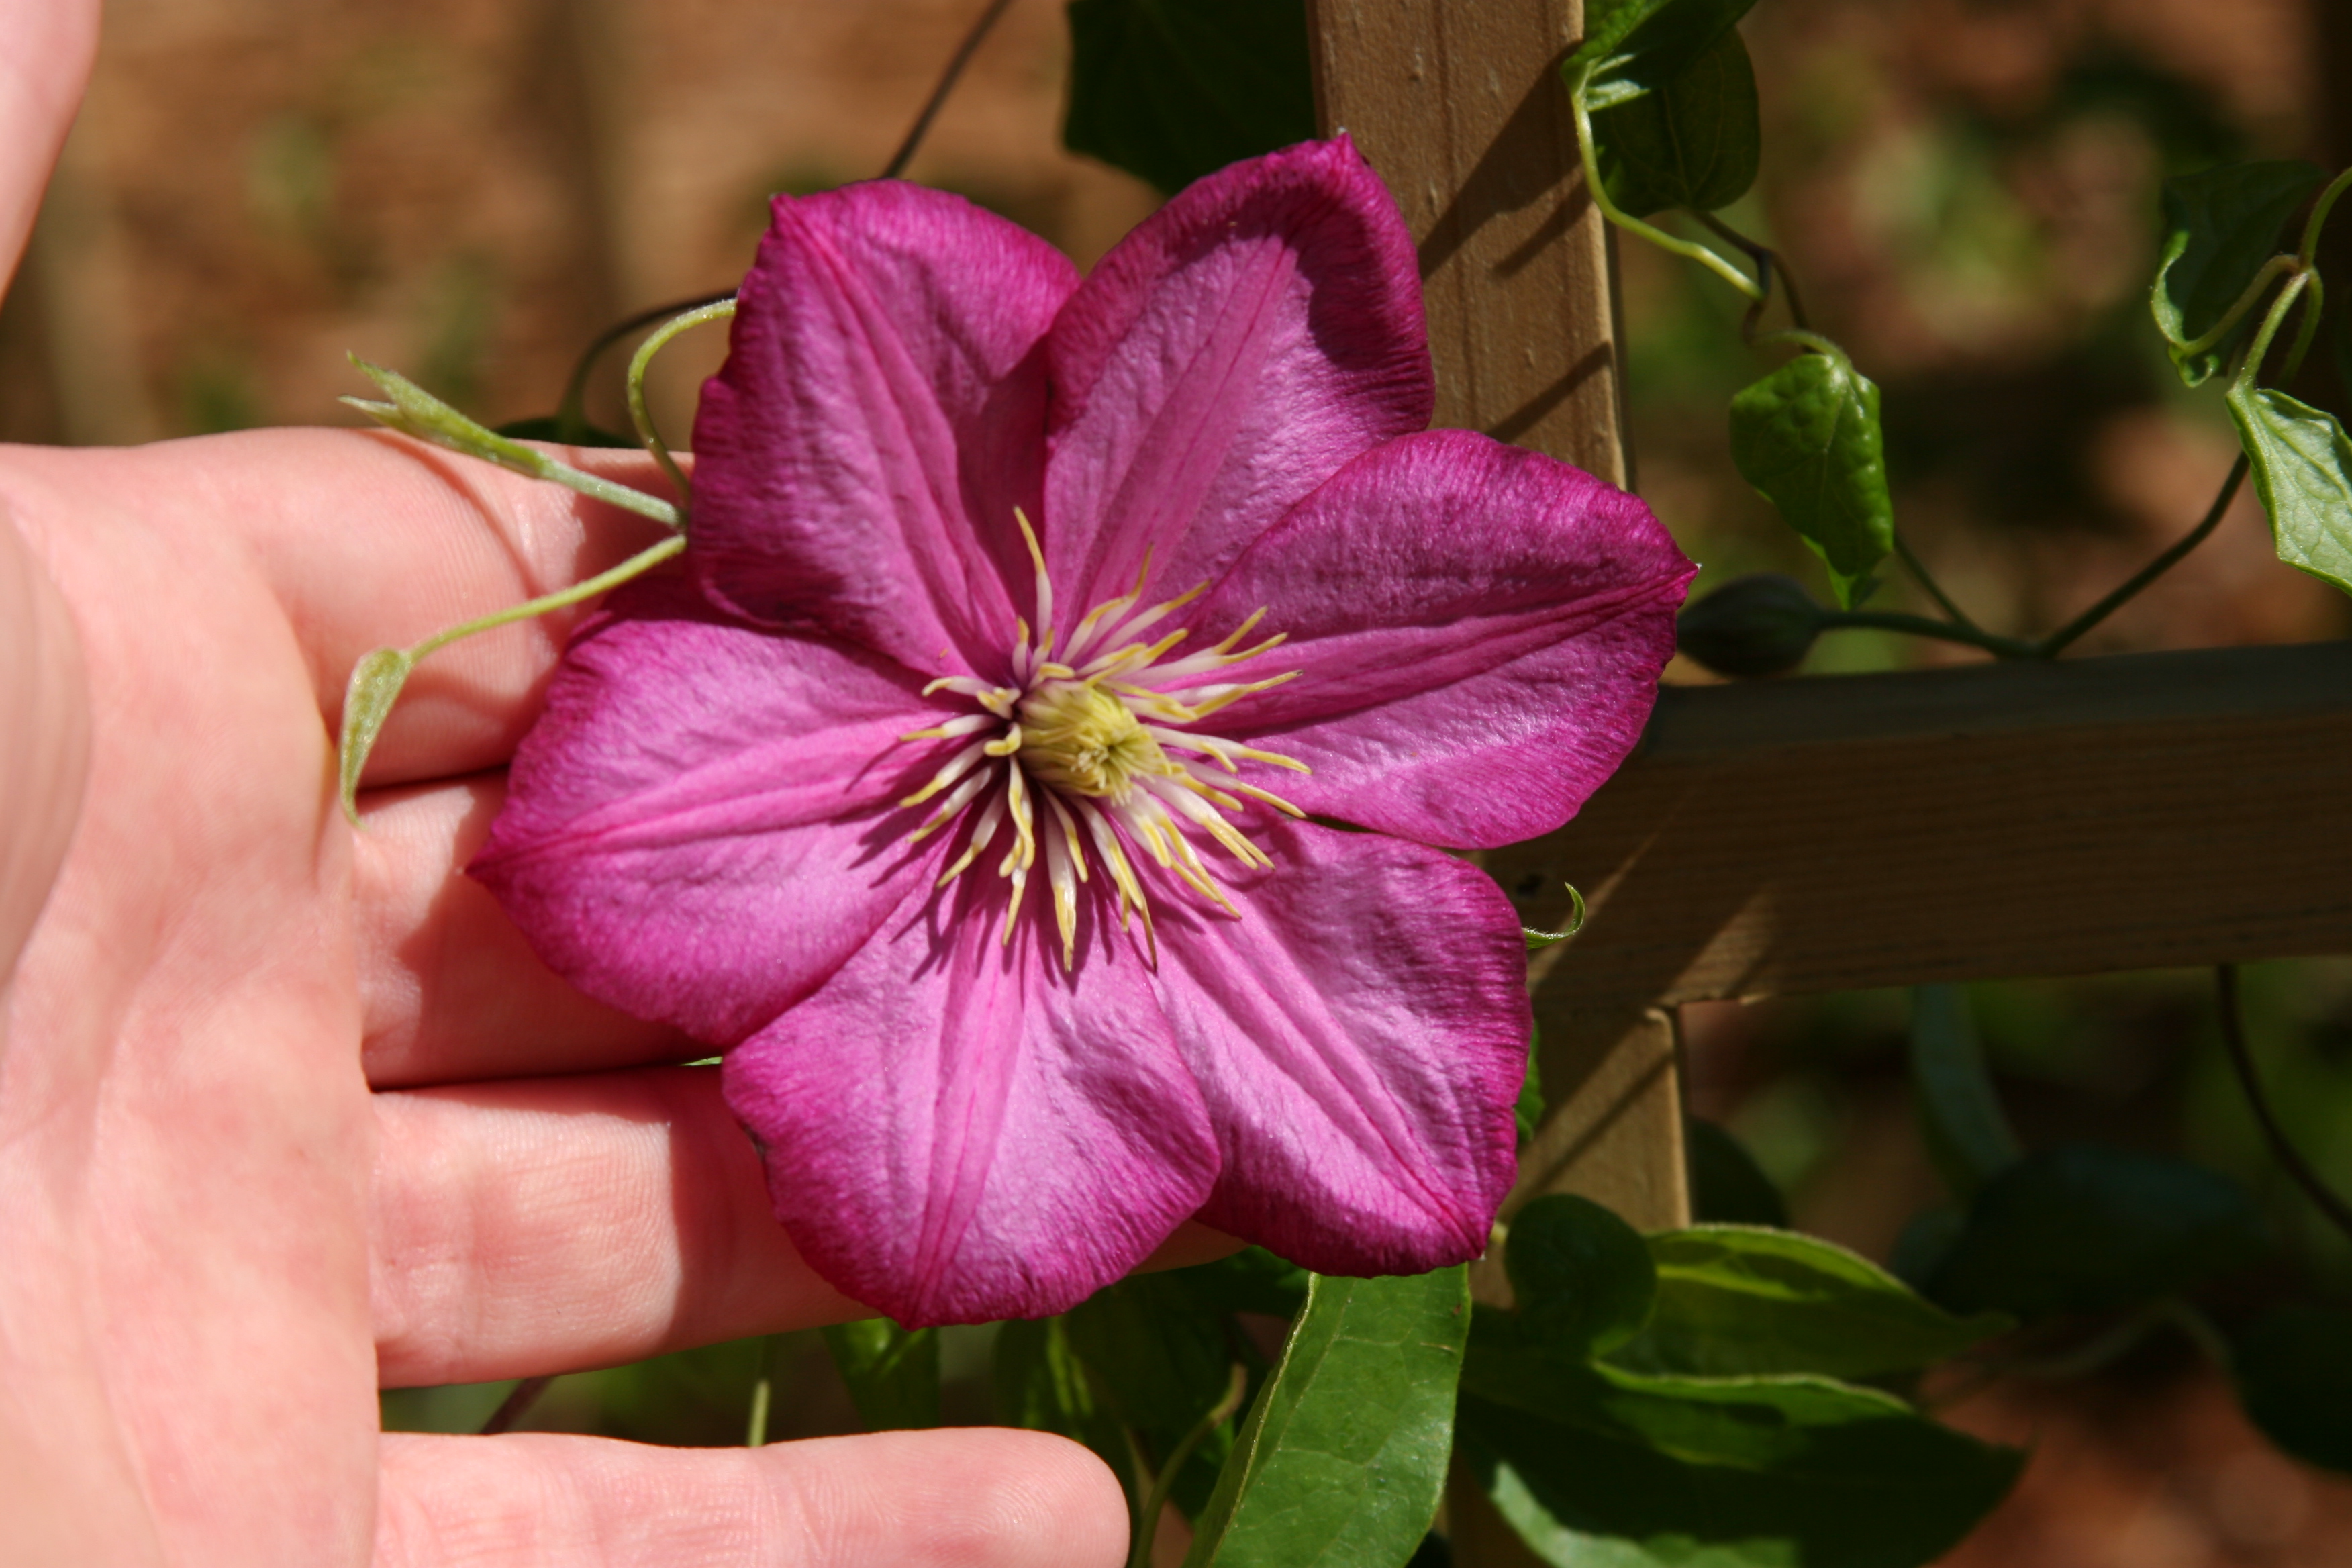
{"x":755,"y":1433}
{"x":642,"y":416}
{"x":2312,"y":306}
{"x":2241,"y":1062}
{"x":1926,"y":579}
{"x":1769,"y":263}
{"x":1810,"y":341}
{"x":755,"y":1430}
{"x":956,"y":62}
{"x":414,"y":410}
{"x":599,"y":488}
{"x":572,"y":414}
{"x":2270,"y":274}
{"x":2056,"y":642}
{"x":1147,"y":1517}
{"x":2252,"y":368}
{"x":1927,"y":626}
{"x":2308,"y":251}
{"x":562,"y":598}
{"x":1686,"y":249}
{"x":516,"y":1405}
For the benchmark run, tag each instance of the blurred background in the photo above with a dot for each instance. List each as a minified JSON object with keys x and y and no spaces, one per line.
{"x":1966,"y":190}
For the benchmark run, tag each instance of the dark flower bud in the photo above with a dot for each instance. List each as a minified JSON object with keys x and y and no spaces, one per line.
{"x":1761,"y":625}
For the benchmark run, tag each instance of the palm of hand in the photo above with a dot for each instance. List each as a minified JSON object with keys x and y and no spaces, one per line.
{"x":220,"y":1232}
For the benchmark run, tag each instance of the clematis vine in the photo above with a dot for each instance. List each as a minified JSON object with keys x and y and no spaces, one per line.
{"x":1041,"y":777}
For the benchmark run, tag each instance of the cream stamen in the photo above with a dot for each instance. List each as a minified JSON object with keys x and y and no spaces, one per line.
{"x":1097,"y":746}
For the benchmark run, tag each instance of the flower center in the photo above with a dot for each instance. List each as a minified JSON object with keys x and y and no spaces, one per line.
{"x":1096,"y":747}
{"x":1076,"y":736}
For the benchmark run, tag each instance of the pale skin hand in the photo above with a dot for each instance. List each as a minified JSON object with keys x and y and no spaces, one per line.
{"x":287,"y":1110}
{"x":217,"y":1238}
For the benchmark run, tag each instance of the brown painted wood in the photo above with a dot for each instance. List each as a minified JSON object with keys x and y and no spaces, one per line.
{"x":1806,"y":835}
{"x":1460,"y":108}
{"x":1820,"y":835}
{"x":2128,"y":813}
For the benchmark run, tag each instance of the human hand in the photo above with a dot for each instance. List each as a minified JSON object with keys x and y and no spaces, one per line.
{"x":286,"y":1111}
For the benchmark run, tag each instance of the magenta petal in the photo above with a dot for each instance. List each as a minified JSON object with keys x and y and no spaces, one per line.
{"x":1478,"y":632}
{"x":880,"y":415}
{"x":1360,"y":1035}
{"x":957,"y":1132}
{"x":699,"y":830}
{"x":1226,"y":357}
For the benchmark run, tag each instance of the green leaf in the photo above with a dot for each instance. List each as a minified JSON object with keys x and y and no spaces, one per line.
{"x":2293,"y":1366}
{"x":1738,"y":1302}
{"x":1807,"y":436}
{"x":893,"y":1374}
{"x":1343,"y":1456}
{"x":2081,"y":1229}
{"x":1538,"y":940}
{"x":1598,"y":1466}
{"x":368,"y":701}
{"x":412,"y":411}
{"x":1635,"y":46}
{"x":1692,"y":142}
{"x":1727,"y":1186}
{"x":1528,"y":1111}
{"x":1041,"y":1384}
{"x":2219,"y":228}
{"x":1584,"y":1277}
{"x":2303,"y":470}
{"x":1967,"y":1132}
{"x":1173,"y":90}
{"x":1162,"y":1362}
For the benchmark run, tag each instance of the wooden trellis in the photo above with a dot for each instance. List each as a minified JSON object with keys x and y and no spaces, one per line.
{"x":1807,"y":835}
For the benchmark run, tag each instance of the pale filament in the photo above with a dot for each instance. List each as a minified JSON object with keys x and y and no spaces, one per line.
{"x":1089,"y":752}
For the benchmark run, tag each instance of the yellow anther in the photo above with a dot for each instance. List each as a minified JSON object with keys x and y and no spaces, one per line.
{"x":1091,"y":743}
{"x":1079,"y":737}
{"x":1241,"y":631}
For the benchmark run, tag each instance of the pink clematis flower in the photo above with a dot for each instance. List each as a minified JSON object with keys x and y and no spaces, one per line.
{"x":1041,"y":781}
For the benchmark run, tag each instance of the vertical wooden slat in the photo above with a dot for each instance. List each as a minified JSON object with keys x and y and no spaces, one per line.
{"x":1617,"y":1137}
{"x":1459,"y":106}
{"x":1461,"y":109}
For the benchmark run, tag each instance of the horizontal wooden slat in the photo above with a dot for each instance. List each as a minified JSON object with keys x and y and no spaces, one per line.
{"x":1820,"y":835}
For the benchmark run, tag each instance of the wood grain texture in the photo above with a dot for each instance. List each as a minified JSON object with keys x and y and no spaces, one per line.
{"x":1807,"y":836}
{"x":1460,"y":108}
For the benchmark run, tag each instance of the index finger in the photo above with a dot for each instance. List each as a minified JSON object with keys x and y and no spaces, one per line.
{"x":369,"y":540}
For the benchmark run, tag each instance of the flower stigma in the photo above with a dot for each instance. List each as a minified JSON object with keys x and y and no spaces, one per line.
{"x":1089,"y":758}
